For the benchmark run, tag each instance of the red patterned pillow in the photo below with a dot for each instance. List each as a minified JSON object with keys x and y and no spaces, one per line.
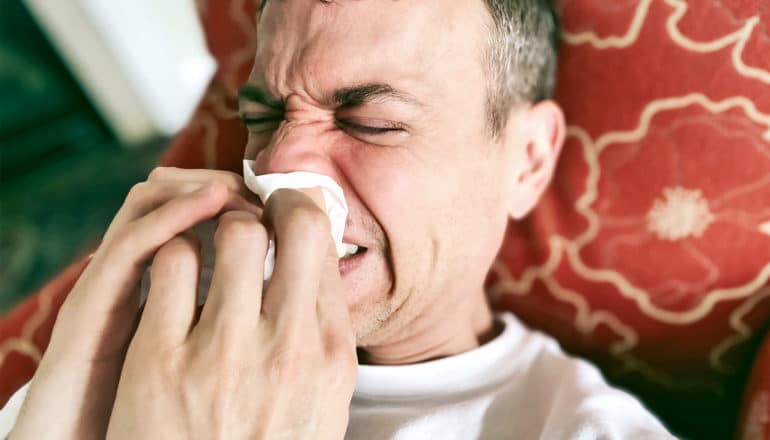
{"x":26,"y":330}
{"x":651,"y":251}
{"x":215,"y":138}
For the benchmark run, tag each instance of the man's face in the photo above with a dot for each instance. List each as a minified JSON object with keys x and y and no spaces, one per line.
{"x":388,"y":98}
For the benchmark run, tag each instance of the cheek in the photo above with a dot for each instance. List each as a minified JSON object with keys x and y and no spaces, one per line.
{"x":421,"y":201}
{"x":393,"y":186}
{"x":403,"y":194}
{"x":441,"y":210}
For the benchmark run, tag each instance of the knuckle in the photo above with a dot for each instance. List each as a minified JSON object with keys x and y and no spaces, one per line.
{"x":176,"y":254}
{"x":160,"y":173}
{"x":168,"y":364}
{"x":225,"y":345}
{"x":230,"y":179}
{"x":161,"y":361}
{"x":137,"y":192}
{"x":240,"y":227}
{"x":338,"y":350}
{"x":341,"y":361}
{"x":285,"y":365}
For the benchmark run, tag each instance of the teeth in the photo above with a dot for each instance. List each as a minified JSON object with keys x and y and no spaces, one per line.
{"x":347,"y":250}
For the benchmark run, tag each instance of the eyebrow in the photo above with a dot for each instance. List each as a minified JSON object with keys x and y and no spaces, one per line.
{"x":362,"y":94}
{"x":345,"y":97}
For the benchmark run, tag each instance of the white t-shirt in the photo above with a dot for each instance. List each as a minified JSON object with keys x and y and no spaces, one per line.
{"x":520,"y":385}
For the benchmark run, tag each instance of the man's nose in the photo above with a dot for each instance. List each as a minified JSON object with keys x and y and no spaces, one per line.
{"x":297,"y":146}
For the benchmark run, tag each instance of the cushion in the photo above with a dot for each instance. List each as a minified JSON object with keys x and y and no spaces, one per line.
{"x":651,"y":251}
{"x":26,"y":330}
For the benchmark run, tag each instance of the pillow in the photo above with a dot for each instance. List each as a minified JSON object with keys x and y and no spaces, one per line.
{"x":650,"y":252}
{"x":26,"y":330}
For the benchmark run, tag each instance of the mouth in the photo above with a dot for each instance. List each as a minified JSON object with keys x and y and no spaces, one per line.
{"x":351,"y":250}
{"x":352,"y":258}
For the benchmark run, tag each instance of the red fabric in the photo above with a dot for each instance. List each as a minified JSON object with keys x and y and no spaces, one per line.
{"x":26,"y":330}
{"x":650,"y":253}
{"x":215,"y":138}
{"x":230,"y":33}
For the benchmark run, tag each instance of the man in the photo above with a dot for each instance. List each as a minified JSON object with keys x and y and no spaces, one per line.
{"x":433,"y":117}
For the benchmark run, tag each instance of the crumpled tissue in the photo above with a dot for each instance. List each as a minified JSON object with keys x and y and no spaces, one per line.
{"x":334,"y":199}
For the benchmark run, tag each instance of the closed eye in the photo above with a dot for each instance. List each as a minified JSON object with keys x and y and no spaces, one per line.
{"x":369,"y":130}
{"x":260,"y":123}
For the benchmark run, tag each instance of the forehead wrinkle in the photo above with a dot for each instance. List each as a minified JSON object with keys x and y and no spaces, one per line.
{"x":317,"y":48}
{"x":288,"y":60}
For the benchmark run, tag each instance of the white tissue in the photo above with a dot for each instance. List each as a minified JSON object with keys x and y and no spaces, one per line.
{"x":334,"y":199}
{"x":264,"y":186}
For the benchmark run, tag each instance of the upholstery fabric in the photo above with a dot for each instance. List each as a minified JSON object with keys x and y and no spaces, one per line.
{"x":649,"y":254}
{"x":651,"y":250}
{"x":661,"y":205}
{"x":26,"y":330}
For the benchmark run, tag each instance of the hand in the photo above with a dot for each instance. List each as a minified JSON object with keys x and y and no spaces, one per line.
{"x":73,"y":389}
{"x":278,"y":365}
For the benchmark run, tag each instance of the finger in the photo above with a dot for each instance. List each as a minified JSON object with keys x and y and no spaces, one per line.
{"x":303,"y":242}
{"x":235,"y":295}
{"x":234,"y":182}
{"x":169,"y":313}
{"x":145,"y":197}
{"x":118,"y":263}
{"x":333,"y":313}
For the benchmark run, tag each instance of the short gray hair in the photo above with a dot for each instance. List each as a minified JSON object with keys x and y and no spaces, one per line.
{"x":520,"y":57}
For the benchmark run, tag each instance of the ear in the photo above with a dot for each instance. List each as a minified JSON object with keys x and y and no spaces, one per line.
{"x":536,"y":135}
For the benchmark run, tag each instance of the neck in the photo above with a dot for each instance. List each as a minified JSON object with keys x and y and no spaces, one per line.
{"x":437,"y":334}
